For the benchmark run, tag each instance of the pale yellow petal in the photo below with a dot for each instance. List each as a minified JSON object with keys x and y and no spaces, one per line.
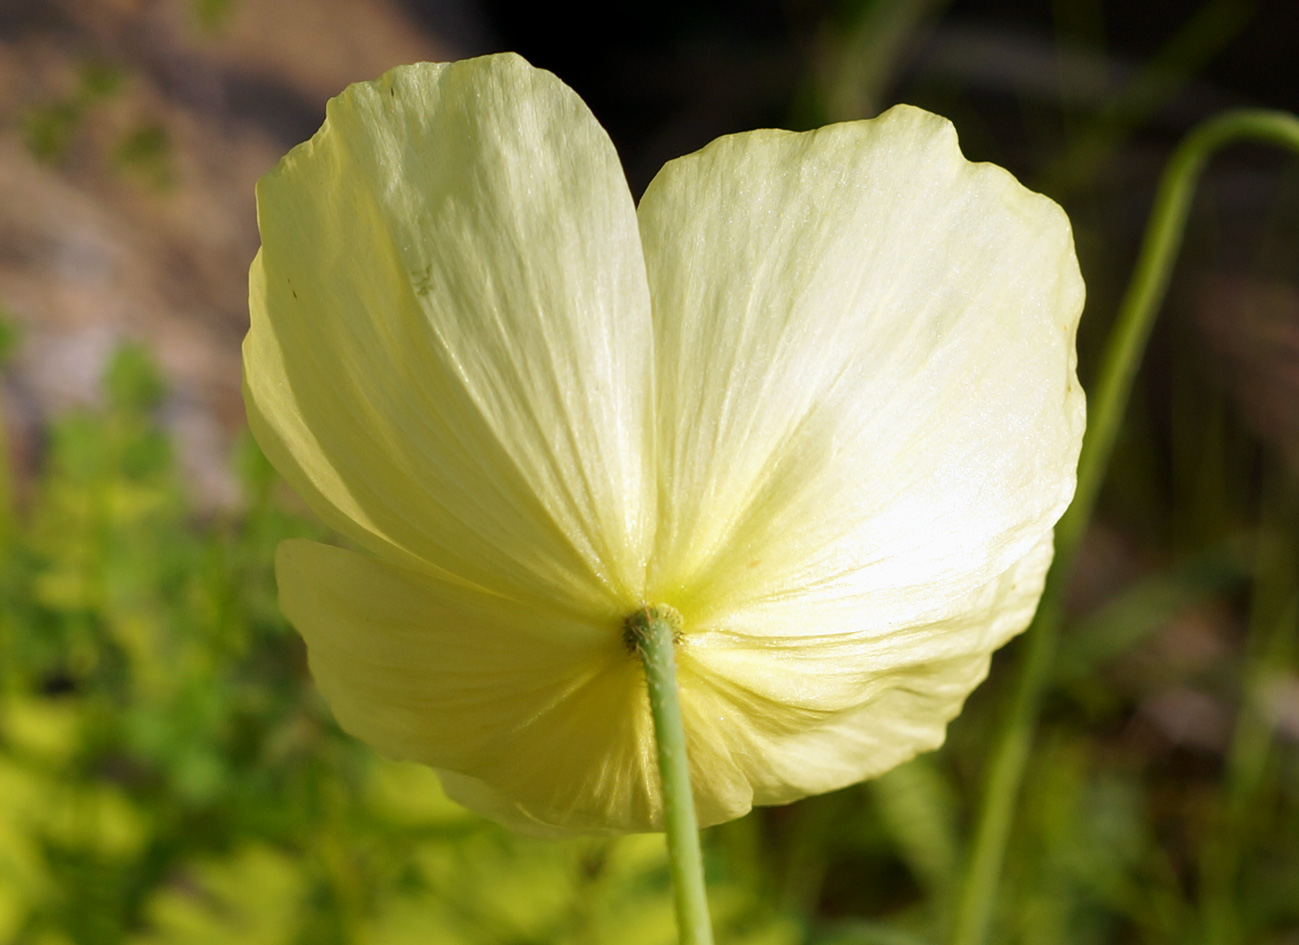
{"x":840,"y":456}
{"x":449,"y":352}
{"x":870,"y":421}
{"x":797,"y":713}
{"x":545,"y":709}
{"x":482,"y":797}
{"x":865,"y":364}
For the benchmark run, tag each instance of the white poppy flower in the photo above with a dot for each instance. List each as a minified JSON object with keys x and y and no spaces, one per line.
{"x":816,"y":393}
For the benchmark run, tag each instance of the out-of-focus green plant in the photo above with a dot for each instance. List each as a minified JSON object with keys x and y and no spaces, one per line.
{"x":1100,"y":135}
{"x":48,"y":128}
{"x":211,"y":14}
{"x":168,"y":775}
{"x":1107,"y":405}
{"x":142,"y":150}
{"x":858,"y":53}
{"x":147,"y":152}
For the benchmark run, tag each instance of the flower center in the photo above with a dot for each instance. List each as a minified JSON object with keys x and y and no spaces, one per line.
{"x":636,"y":628}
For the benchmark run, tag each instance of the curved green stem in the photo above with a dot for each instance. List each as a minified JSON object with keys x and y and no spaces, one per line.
{"x":1136,"y":316}
{"x":652,"y":632}
{"x":1109,"y":399}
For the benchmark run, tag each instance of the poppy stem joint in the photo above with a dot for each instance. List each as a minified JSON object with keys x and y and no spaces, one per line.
{"x":652,"y":634}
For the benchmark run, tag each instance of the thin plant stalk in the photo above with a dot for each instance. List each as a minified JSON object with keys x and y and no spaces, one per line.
{"x":652,"y":633}
{"x":1269,"y":649}
{"x":1108,"y":403}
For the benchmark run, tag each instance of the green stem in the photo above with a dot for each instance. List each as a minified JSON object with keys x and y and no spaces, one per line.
{"x":652,"y":633}
{"x":1127,"y":340}
{"x":1225,"y":856}
{"x":1109,"y":399}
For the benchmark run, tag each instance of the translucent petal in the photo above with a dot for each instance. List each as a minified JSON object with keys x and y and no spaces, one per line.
{"x":840,"y":455}
{"x":541,"y":721}
{"x":870,"y":422}
{"x":545,"y":709}
{"x":449,"y":354}
{"x":481,"y":797}
{"x":864,"y":348}
{"x":795,"y":714}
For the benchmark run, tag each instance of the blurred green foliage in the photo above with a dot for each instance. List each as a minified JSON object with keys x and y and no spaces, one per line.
{"x":169,"y":775}
{"x":50,"y":127}
{"x":211,"y":14}
{"x":53,"y":128}
{"x":146,"y":151}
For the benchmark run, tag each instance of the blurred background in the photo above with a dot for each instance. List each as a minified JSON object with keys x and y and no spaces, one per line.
{"x":168,"y":773}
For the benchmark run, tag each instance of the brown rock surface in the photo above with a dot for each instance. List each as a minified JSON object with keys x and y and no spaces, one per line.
{"x":131,"y":135}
